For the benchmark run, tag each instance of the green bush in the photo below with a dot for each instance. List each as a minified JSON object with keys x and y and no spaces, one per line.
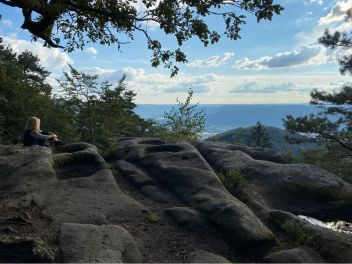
{"x":233,"y":180}
{"x":153,"y":218}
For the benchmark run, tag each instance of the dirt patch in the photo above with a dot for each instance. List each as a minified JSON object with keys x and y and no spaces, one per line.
{"x":165,"y":241}
{"x":28,"y":226}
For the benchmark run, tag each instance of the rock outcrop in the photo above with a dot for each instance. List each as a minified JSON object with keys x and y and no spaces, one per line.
{"x":332,"y":246}
{"x":294,"y":255}
{"x":85,"y":243}
{"x":297,"y":188}
{"x":72,"y":186}
{"x":183,"y":171}
{"x":154,"y":201}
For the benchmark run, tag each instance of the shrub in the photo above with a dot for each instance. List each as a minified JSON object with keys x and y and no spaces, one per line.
{"x":233,"y":180}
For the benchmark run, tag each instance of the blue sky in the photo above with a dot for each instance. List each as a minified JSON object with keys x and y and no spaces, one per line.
{"x":278,"y":61}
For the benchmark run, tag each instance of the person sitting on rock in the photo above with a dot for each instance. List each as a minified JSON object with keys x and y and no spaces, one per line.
{"x":33,"y":136}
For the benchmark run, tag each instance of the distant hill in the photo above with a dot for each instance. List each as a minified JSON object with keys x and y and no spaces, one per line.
{"x":277,"y":136}
{"x":220,"y":118}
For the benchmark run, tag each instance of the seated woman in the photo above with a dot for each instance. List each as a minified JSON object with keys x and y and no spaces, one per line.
{"x":34,"y":136}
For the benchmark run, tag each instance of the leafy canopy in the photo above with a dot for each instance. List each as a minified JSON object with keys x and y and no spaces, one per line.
{"x":71,"y":24}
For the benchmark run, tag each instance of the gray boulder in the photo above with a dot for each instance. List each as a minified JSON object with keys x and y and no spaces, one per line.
{"x":155,"y":194}
{"x":299,"y":188}
{"x":201,"y":256}
{"x":331,"y":245}
{"x":24,"y":170}
{"x":100,"y":244}
{"x":96,"y":199}
{"x":294,"y":255}
{"x":183,"y":171}
{"x":187,"y":217}
{"x":77,"y":160}
{"x":133,"y":174}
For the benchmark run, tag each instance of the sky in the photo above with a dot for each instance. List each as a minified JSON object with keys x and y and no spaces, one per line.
{"x":274,"y":62}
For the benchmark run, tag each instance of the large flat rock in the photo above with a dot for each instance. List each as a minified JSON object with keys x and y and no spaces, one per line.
{"x":299,"y":188}
{"x":84,"y":243}
{"x":96,"y":199}
{"x":183,"y":171}
{"x":24,"y":170}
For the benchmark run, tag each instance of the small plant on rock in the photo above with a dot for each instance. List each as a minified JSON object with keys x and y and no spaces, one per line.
{"x":153,"y":218}
{"x":298,"y":233}
{"x":233,"y":180}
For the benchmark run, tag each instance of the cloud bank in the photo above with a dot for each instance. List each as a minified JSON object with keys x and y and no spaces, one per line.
{"x":305,"y":55}
{"x":214,"y":61}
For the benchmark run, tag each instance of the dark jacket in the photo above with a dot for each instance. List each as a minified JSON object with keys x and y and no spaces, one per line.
{"x":30,"y":140}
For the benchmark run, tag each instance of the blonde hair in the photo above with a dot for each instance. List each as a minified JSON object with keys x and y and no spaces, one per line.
{"x":33,"y":123}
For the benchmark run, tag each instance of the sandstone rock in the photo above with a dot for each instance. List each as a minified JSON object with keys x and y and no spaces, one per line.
{"x":187,"y":217}
{"x":77,"y":160}
{"x":138,"y":177}
{"x":331,"y":245}
{"x":201,"y":256}
{"x":100,"y":244}
{"x":24,"y":170}
{"x":155,"y":194}
{"x":299,"y":188}
{"x":183,"y":171}
{"x":255,"y":152}
{"x":294,"y":255}
{"x":96,"y":199}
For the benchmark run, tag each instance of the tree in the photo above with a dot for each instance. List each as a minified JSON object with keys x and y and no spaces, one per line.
{"x":185,"y":122}
{"x":70,"y":24}
{"x":81,"y":92}
{"x":259,"y":136}
{"x":23,"y":93}
{"x":333,"y":125}
{"x":99,"y":110}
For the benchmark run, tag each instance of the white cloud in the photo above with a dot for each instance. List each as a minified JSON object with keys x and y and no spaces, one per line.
{"x":91,"y":50}
{"x":306,"y":55}
{"x":214,"y":61}
{"x":101,"y":72}
{"x":309,"y":2}
{"x":255,"y":87}
{"x":7,"y":22}
{"x":51,"y":58}
{"x":337,"y":13}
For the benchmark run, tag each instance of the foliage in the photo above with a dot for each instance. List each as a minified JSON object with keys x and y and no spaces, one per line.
{"x":89,"y":110}
{"x":185,"y":122}
{"x":242,"y":135}
{"x":329,"y":159}
{"x":100,"y":110}
{"x":299,"y":233}
{"x":259,"y":136}
{"x":23,"y":93}
{"x":153,"y":218}
{"x":81,"y":92}
{"x":333,"y":124}
{"x":233,"y":180}
{"x":71,"y":24}
{"x":340,"y":40}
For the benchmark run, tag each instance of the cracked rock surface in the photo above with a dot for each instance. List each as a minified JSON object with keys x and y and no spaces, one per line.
{"x":156,"y":201}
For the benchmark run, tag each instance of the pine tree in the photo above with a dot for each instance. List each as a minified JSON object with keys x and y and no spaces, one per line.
{"x":333,"y":125}
{"x":259,"y":136}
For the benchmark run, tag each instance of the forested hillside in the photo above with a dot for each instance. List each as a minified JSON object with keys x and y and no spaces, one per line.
{"x":277,"y":136}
